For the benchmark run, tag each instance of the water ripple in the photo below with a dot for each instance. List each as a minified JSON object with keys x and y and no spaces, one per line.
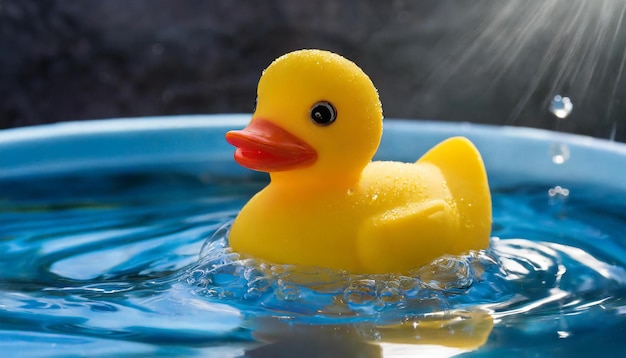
{"x":150,"y":263}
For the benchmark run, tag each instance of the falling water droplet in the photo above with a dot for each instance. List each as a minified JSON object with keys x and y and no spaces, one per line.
{"x":561,"y":107}
{"x":559,"y":153}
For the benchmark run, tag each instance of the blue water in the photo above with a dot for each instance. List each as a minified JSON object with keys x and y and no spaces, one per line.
{"x":138,"y":264}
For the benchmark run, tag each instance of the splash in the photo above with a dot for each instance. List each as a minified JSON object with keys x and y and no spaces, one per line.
{"x":223,"y":274}
{"x":495,"y":276}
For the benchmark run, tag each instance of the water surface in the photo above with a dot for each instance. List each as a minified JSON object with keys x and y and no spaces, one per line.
{"x":138,"y":263}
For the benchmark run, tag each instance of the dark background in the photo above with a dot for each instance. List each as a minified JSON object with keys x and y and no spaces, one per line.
{"x":484,"y":61}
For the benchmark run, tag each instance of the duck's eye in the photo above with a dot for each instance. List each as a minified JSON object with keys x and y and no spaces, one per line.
{"x":323,"y":113}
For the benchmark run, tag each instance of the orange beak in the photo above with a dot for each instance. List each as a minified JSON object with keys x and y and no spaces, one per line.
{"x":266,"y":147}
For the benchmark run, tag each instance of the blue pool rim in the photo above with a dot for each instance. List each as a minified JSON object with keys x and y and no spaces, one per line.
{"x":195,"y":144}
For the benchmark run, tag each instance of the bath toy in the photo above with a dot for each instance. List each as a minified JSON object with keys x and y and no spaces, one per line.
{"x":316,"y":127}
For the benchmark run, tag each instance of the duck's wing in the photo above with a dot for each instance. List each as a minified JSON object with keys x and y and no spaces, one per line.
{"x":457,"y":157}
{"x":462,"y":166}
{"x":406,"y":237}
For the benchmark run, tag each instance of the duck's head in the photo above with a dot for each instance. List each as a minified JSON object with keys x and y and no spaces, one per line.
{"x":318,"y":117}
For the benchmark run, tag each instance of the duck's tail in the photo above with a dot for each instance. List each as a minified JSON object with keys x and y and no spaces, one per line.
{"x":464,"y":170}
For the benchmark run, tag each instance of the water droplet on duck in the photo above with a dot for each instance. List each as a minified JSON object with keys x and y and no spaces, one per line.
{"x":350,"y":191}
{"x":561,"y":107}
{"x":559,"y":153}
{"x":374,"y":197}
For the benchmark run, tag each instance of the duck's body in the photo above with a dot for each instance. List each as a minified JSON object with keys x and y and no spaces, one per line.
{"x":397,"y":217}
{"x":327,"y":205}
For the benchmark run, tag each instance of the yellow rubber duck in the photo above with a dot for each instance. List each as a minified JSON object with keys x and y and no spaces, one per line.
{"x":316,"y":127}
